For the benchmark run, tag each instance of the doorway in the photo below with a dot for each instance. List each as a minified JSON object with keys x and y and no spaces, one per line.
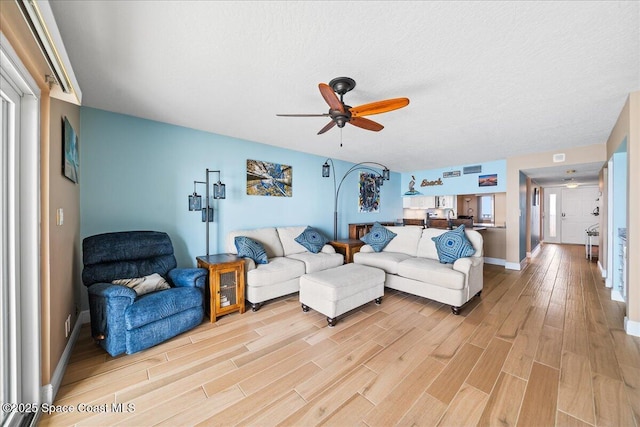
{"x":569,"y":212}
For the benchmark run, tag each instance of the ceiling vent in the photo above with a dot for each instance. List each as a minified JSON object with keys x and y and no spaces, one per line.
{"x":558,"y":158}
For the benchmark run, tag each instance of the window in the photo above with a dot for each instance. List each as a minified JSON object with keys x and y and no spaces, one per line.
{"x":485,"y":208}
{"x":553,"y":215}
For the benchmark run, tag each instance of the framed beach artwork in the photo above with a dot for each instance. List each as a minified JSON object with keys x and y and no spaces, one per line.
{"x":488,"y":180}
{"x":269,"y":179}
{"x":369,"y":193}
{"x":70,"y":157}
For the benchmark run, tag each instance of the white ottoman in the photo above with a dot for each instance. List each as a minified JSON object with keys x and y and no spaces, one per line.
{"x":337,"y":290}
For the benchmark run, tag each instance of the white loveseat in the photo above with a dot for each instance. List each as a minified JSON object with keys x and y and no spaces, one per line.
{"x":288,"y":260}
{"x":410,"y":261}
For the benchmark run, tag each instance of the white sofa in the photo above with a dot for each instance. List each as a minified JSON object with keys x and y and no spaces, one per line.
{"x":288,"y":260}
{"x":410,"y":261}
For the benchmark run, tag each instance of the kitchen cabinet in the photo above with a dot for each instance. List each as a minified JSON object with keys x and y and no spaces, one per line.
{"x":446,"y":202}
{"x":419,"y":202}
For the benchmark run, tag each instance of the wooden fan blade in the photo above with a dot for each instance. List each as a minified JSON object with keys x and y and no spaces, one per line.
{"x":303,"y":115}
{"x":379,"y":107}
{"x":327,"y":127}
{"x":330,"y":97}
{"x":367,"y":124}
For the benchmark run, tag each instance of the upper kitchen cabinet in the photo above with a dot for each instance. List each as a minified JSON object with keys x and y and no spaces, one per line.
{"x":419,"y":202}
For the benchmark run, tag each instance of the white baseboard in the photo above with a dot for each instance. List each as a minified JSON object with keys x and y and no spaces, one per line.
{"x":632,"y":327}
{"x":49,"y":391}
{"x":603,"y":271}
{"x":494,"y":261}
{"x":616,"y":295}
{"x":516,"y":266}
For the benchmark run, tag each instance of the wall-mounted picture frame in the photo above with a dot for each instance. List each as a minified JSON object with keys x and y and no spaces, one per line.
{"x":269,"y":179}
{"x":369,"y":193}
{"x":488,"y":180}
{"x":70,"y":157}
{"x":536,"y":197}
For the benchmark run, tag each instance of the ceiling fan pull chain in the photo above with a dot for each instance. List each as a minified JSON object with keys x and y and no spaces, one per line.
{"x":340,"y":137}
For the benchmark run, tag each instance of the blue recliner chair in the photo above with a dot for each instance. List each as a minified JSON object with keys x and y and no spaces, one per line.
{"x":122,"y":321}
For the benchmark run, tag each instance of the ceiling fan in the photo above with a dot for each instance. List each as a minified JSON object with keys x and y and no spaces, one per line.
{"x":342,"y":114}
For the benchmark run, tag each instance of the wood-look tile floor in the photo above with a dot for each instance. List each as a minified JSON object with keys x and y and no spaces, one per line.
{"x":543,"y":346}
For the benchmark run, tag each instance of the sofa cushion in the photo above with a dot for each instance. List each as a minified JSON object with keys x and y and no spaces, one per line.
{"x":249,"y":248}
{"x":453,"y":245}
{"x":431,"y":271}
{"x":406,"y":240}
{"x":160,"y":305}
{"x":378,"y":237}
{"x":144,"y":285}
{"x":279,"y":269}
{"x":388,"y":261}
{"x":318,"y":262}
{"x":311,"y":239}
{"x":288,"y":236}
{"x":267,"y":236}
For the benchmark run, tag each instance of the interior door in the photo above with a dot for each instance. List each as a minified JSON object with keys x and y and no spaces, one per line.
{"x":578,"y":205}
{"x":553,"y":215}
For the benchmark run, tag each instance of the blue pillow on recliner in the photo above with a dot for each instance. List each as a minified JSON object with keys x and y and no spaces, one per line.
{"x":249,"y":248}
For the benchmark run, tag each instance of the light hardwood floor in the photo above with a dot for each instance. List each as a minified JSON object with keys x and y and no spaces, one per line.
{"x":543,"y":346}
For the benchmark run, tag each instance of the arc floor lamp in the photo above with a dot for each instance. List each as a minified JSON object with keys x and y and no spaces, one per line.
{"x":326,"y":173}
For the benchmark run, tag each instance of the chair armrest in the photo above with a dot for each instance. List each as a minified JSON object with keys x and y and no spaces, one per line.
{"x":108,"y":304}
{"x":366,"y":248}
{"x":188,"y":277}
{"x":109,"y":290}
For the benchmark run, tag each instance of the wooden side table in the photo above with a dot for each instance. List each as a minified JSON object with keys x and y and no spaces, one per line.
{"x":226,"y":284}
{"x":347,"y":247}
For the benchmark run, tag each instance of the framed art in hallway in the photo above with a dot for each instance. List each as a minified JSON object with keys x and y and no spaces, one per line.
{"x":70,"y":157}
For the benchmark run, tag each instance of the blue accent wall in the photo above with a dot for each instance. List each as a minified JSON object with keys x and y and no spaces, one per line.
{"x":463,"y":184}
{"x":136,"y":174}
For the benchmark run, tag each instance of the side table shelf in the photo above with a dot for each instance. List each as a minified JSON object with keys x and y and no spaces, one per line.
{"x":225,"y":292}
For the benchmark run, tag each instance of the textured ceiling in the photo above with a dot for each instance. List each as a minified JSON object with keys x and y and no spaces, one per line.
{"x":486,"y":80}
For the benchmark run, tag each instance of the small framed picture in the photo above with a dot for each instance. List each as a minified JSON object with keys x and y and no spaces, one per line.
{"x":488,"y":180}
{"x":70,"y":158}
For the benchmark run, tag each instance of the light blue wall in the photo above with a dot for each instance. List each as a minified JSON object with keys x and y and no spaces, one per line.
{"x":136,"y":175}
{"x":463,"y":184}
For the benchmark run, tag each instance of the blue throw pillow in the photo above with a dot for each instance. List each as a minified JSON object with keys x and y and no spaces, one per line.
{"x":249,"y":248}
{"x":378,"y":237}
{"x":453,"y":245}
{"x":312,"y":240}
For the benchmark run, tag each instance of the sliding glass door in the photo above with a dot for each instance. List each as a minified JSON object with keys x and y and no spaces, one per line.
{"x":19,"y":240}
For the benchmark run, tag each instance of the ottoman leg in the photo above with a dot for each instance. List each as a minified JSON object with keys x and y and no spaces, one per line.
{"x":332,"y":321}
{"x":378,"y":300}
{"x":305,"y":308}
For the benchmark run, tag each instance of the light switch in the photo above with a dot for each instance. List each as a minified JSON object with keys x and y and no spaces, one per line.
{"x":59,"y":216}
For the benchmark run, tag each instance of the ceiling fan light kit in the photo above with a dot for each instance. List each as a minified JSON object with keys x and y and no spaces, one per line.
{"x":341,"y":114}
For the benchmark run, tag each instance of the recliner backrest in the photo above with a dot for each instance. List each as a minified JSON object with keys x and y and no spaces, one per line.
{"x":126,"y":254}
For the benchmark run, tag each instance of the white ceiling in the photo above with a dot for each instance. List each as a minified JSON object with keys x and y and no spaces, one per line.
{"x":486,"y":80}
